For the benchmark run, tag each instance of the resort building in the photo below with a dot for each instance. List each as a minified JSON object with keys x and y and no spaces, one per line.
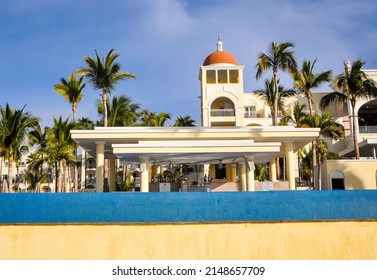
{"x":236,"y":133}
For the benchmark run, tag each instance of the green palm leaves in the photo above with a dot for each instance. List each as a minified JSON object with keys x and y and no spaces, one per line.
{"x":279,"y":57}
{"x":71,"y":90}
{"x":305,"y":80}
{"x":14,"y":126}
{"x":352,"y":84}
{"x":268,"y":94}
{"x":104,"y":74}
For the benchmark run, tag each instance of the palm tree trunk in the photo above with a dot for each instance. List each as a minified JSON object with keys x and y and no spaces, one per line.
{"x":277,"y":160}
{"x":56,"y":177}
{"x":314,"y":147}
{"x":276,"y":99}
{"x":354,"y":134}
{"x":319,"y":176}
{"x":10,"y":170}
{"x":310,"y":106}
{"x":106,"y":164}
{"x":69,"y":179}
{"x":75,"y":168}
{"x":104,"y":100}
{"x":60,"y":175}
{"x":1,"y":174}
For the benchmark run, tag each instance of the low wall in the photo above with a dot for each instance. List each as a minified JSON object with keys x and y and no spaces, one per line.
{"x":238,"y":225}
{"x":358,"y":174}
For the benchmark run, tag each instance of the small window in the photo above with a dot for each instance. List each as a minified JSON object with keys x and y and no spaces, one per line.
{"x":250,"y":112}
{"x":233,"y":76}
{"x":211,"y":77}
{"x":337,"y":180}
{"x":222,"y":76}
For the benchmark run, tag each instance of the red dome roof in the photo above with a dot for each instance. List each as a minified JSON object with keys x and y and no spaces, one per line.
{"x":220,"y":57}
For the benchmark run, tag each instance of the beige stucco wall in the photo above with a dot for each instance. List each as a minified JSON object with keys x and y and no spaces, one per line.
{"x":358,"y":174}
{"x":301,"y":240}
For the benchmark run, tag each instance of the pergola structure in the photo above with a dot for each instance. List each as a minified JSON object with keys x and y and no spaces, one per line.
{"x":150,"y":146}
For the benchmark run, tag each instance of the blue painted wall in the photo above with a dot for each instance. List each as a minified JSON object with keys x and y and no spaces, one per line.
{"x":25,"y":208}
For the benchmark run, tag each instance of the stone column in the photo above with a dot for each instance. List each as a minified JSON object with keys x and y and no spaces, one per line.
{"x":155,"y":168}
{"x":112,"y":175}
{"x":273,"y":176}
{"x":233,"y":172}
{"x":290,"y":165}
{"x":100,"y":163}
{"x":242,"y":169}
{"x":227,"y":172}
{"x":250,"y":174}
{"x":144,"y":176}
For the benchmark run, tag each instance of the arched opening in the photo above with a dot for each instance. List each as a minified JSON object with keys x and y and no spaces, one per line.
{"x":222,"y":107}
{"x":46,"y":189}
{"x":337,"y":180}
{"x":223,"y":112}
{"x":368,"y":117}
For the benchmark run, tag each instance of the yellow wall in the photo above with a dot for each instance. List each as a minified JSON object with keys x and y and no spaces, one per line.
{"x":301,"y":240}
{"x":360,"y":174}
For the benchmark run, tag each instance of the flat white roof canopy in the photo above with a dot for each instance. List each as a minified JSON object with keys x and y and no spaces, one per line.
{"x":194,"y":144}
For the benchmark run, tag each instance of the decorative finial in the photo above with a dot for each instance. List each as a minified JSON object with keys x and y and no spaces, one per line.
{"x":219,"y":43}
{"x":348,"y":66}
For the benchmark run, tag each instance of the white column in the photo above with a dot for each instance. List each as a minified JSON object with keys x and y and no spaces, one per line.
{"x":290,"y":165}
{"x":112,"y":175}
{"x":233,"y":172}
{"x":250,"y":174}
{"x":243,"y":176}
{"x":206,"y":171}
{"x":100,"y":162}
{"x":273,"y":176}
{"x":144,"y":176}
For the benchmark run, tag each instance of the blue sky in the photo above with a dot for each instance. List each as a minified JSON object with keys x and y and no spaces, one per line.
{"x":164,"y":42}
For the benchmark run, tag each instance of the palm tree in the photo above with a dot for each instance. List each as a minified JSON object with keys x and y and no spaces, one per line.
{"x":14,"y":126}
{"x":71,"y":90}
{"x":33,"y":177}
{"x":353,"y":84}
{"x":154,"y":119}
{"x":279,"y":57}
{"x":61,"y":149}
{"x":298,"y":115}
{"x":104,"y":74}
{"x":39,"y":156}
{"x":85,"y":123}
{"x":121,"y":111}
{"x":268,"y":95}
{"x":305,"y":80}
{"x":260,"y":172}
{"x":328,"y":129}
{"x":184,"y":121}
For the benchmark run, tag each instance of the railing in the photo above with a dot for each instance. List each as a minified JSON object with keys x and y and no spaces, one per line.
{"x":253,"y":115}
{"x":222,"y":113}
{"x":368,"y":129}
{"x":250,"y":115}
{"x":91,"y":166}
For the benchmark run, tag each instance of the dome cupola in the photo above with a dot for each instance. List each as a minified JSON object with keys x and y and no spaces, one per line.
{"x":220,"y":56}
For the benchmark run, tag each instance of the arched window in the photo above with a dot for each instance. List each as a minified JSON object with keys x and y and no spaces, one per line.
{"x":337,"y":180}
{"x":250,"y":110}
